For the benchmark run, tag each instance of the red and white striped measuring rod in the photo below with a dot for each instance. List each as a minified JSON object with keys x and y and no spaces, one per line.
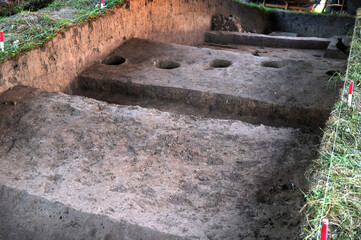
{"x":101,"y":3}
{"x":2,"y":40}
{"x":350,"y":94}
{"x":324,"y":229}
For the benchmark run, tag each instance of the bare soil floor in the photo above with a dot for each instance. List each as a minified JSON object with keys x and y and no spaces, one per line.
{"x":187,"y":176}
{"x":78,"y":168}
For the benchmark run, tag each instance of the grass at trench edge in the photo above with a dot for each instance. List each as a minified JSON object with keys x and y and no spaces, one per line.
{"x":343,"y":201}
{"x":38,"y":34}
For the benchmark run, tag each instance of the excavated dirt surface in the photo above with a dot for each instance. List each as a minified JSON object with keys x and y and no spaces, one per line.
{"x":284,"y":53}
{"x":181,"y":175}
{"x":282,"y":81}
{"x":78,"y":168}
{"x":286,"y":87}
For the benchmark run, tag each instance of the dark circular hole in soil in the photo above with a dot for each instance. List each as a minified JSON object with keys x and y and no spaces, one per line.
{"x":271,"y":64}
{"x":114,"y":60}
{"x":8,"y":8}
{"x":166,"y":64}
{"x":220,"y":63}
{"x":35,"y":5}
{"x":331,"y":72}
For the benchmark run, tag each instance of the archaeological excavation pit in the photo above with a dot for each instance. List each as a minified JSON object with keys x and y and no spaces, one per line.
{"x":197,"y":135}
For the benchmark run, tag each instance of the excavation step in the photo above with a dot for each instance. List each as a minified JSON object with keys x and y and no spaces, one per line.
{"x":293,"y":91}
{"x":78,"y":168}
{"x":267,"y":40}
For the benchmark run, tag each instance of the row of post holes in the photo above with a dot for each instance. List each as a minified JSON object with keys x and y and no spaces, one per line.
{"x":166,"y":64}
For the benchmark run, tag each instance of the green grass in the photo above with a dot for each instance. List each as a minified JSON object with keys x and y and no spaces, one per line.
{"x":27,"y":30}
{"x":259,"y":6}
{"x":342,"y":137}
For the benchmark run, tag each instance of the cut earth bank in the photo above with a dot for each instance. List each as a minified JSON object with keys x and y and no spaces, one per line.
{"x":78,"y":168}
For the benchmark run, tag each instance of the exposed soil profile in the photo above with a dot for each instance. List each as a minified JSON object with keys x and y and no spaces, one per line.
{"x":155,"y":140}
{"x":192,"y":171}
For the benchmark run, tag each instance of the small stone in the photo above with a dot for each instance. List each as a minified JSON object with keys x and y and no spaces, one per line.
{"x":202,"y":178}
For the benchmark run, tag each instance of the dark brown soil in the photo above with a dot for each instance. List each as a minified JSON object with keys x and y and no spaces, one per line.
{"x":224,"y":23}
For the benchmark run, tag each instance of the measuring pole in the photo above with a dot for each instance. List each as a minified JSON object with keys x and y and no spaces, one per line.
{"x":350,"y":94}
{"x":324,"y":229}
{"x":2,"y":40}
